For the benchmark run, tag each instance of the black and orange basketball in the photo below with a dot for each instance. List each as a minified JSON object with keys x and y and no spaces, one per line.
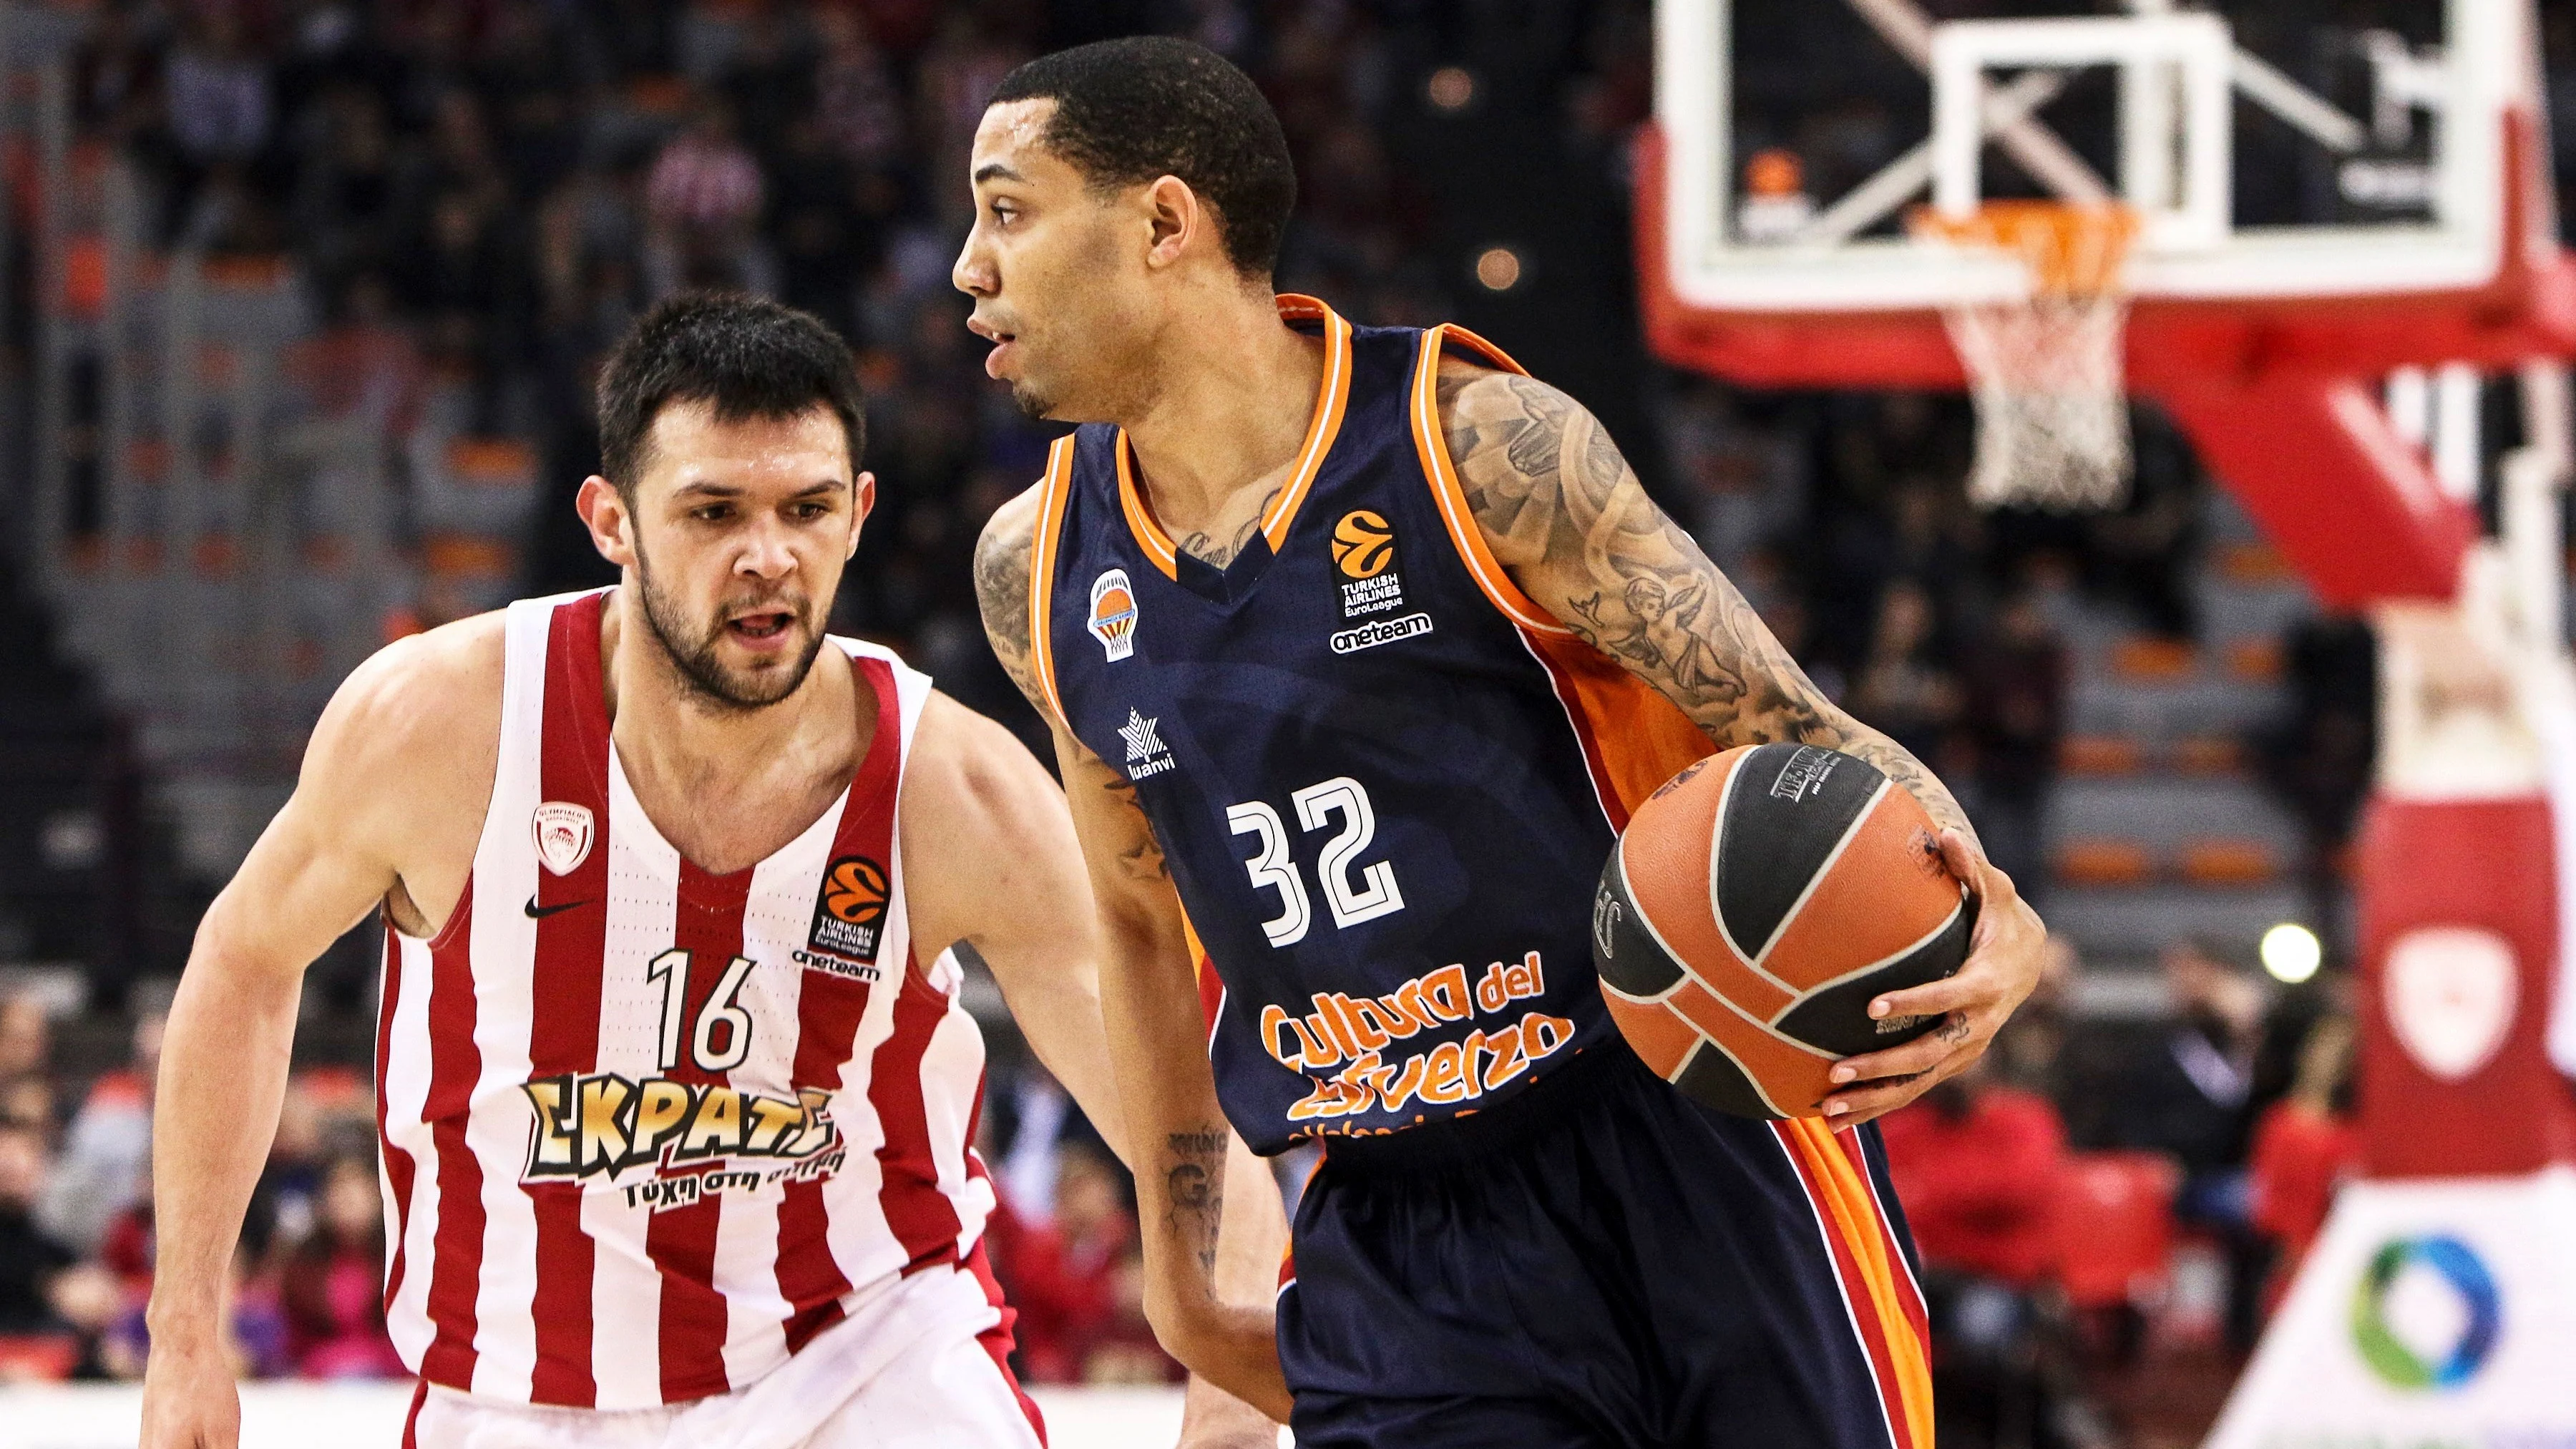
{"x":855,"y":891}
{"x":1363,"y":544}
{"x":1754,"y":906}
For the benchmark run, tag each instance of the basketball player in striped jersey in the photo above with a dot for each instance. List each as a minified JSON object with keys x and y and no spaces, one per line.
{"x":1359,"y":646}
{"x":674,"y":1086}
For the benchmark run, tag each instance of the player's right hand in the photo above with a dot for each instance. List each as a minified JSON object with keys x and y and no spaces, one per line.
{"x":190,"y":1400}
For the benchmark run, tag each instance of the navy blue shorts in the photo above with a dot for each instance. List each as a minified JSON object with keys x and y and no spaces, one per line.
{"x":1604,"y":1262}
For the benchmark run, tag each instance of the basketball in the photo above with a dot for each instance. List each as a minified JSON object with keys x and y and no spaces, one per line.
{"x":1752,"y":909}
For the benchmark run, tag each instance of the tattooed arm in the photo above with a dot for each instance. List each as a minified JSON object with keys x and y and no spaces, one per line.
{"x":1208,"y":1253}
{"x":1566,"y":517}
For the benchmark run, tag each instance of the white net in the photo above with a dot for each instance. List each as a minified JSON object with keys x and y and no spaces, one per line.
{"x":2044,"y":367}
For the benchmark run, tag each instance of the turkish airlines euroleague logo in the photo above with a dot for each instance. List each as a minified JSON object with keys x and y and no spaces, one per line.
{"x":1371,"y":586}
{"x":1363,"y":544}
{"x":849,"y":918}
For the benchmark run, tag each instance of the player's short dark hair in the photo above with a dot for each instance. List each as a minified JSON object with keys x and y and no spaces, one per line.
{"x":745,"y":357}
{"x":1128,"y":111}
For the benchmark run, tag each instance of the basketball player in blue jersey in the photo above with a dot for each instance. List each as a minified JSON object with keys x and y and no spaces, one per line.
{"x":1359,"y":645}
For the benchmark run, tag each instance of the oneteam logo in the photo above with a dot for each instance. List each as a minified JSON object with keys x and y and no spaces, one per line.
{"x":2453,"y":1354}
{"x":1113,"y":613}
{"x":1380,"y":631}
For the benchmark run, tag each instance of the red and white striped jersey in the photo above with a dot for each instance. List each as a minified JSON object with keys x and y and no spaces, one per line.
{"x":647,"y":1130}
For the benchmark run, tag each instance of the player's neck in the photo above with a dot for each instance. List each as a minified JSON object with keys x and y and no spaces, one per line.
{"x":1234,"y":396}
{"x":688,"y":757}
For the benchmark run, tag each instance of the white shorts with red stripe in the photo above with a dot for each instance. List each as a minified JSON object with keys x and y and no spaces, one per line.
{"x":918,"y":1366}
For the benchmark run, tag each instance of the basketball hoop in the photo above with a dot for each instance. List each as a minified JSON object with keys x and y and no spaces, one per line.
{"x":2044,"y":366}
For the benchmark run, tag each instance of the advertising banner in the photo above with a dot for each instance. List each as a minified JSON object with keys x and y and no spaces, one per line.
{"x":2432,"y":1314}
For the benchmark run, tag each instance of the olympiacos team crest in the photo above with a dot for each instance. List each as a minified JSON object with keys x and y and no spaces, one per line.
{"x":563,"y":835}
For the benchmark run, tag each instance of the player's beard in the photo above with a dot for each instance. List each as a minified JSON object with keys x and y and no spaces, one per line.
{"x":694,"y":659}
{"x":1033,"y":405}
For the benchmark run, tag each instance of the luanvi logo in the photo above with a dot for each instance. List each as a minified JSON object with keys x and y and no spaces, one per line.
{"x":1146,"y":752}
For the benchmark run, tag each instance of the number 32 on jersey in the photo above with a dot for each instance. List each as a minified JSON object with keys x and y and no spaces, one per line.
{"x":1354,"y":895}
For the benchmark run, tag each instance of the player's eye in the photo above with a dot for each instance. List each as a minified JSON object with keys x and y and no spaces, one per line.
{"x":712,"y":513}
{"x":810,"y":510}
{"x":1003,"y":211}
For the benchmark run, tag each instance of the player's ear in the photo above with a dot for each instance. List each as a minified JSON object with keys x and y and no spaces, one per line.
{"x":1173,"y":211}
{"x":863,"y":501}
{"x":603,"y":508}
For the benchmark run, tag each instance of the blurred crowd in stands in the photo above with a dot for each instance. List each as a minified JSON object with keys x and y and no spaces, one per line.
{"x":487,"y":191}
{"x":2080,"y":1202}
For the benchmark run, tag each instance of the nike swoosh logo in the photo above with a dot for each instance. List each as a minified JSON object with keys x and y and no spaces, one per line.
{"x":538,"y":913}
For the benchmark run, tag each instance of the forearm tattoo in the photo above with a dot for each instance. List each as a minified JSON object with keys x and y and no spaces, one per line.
{"x":1194,"y":1189}
{"x":1568,"y":519}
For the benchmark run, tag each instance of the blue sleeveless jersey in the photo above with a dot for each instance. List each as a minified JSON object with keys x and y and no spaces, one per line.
{"x":1384,"y":780}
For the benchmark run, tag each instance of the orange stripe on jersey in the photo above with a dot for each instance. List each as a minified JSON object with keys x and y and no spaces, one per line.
{"x":1432,"y":444}
{"x":1140,"y":515}
{"x":1332,"y":398}
{"x":1203,"y":972}
{"x":1885,"y":1309}
{"x":1055,"y":491}
{"x":1633,"y":738}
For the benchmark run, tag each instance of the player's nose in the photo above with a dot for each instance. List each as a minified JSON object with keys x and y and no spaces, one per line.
{"x":974,"y":273}
{"x":766,"y":554}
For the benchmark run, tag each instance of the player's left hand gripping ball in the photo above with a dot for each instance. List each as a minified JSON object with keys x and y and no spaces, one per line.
{"x":2004,"y":961}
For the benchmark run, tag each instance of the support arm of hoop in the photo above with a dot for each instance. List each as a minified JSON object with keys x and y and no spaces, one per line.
{"x":2319,"y":465}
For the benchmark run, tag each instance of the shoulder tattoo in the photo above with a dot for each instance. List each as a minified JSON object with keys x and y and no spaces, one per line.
{"x":1002,"y":590}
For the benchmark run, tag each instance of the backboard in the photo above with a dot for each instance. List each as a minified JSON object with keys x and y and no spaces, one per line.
{"x":2280,"y":156}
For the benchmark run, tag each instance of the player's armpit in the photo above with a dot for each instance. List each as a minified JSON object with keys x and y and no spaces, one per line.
{"x":1566,"y":516}
{"x":995,"y":866}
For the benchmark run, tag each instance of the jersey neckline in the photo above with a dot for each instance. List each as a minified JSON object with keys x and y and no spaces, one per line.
{"x":1332,"y":397}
